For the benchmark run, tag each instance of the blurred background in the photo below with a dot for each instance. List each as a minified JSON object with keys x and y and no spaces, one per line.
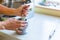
{"x":44,"y":18}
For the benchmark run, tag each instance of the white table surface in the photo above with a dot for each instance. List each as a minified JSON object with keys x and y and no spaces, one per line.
{"x":39,"y":28}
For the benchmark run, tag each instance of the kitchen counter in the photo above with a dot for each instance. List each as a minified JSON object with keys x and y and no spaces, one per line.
{"x":50,"y":10}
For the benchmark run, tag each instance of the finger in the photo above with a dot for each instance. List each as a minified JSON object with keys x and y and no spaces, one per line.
{"x":26,"y":6}
{"x":18,"y":31}
{"x":24,"y":12}
{"x":23,"y":25}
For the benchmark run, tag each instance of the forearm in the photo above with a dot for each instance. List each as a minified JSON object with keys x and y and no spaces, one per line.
{"x":7,"y":11}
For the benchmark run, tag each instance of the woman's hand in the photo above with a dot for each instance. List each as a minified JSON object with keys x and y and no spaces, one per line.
{"x":12,"y":24}
{"x":22,"y":10}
